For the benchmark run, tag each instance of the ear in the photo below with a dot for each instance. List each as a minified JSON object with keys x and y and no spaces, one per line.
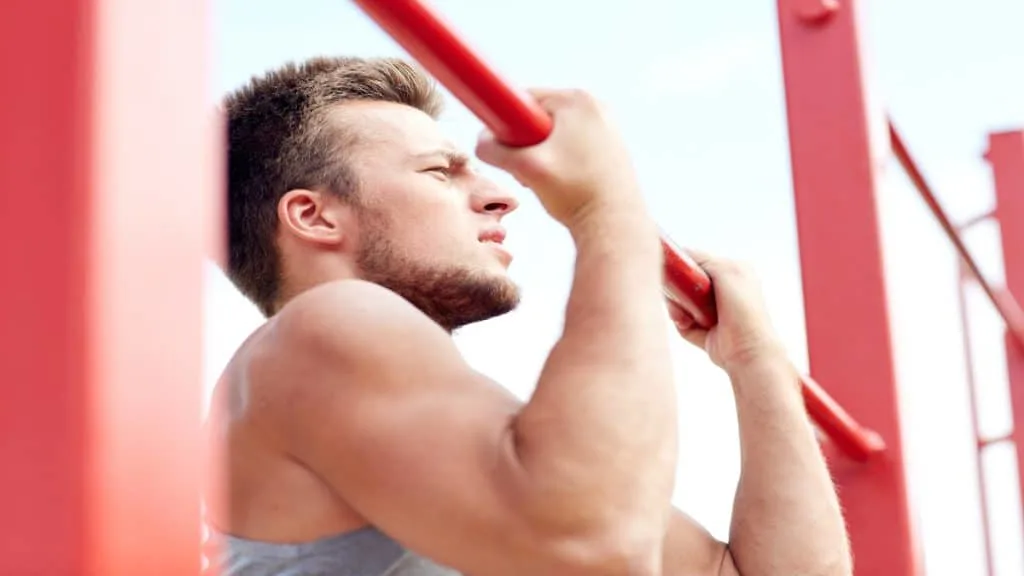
{"x":313,"y":216}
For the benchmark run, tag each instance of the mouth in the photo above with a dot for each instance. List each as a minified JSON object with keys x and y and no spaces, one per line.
{"x":493,"y":236}
{"x":494,"y":240}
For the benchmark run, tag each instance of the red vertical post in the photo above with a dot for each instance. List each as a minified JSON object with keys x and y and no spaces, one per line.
{"x":848,"y":328}
{"x":963,"y":278}
{"x":105,"y":171}
{"x":1006,"y":155}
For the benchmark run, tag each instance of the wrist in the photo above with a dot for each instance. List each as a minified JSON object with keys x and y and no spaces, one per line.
{"x":768,"y":366}
{"x":626,"y":222}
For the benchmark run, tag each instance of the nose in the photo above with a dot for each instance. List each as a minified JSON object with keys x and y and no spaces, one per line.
{"x":489,"y":198}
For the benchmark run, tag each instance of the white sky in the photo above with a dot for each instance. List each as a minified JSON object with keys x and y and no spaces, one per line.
{"x":697,"y":89}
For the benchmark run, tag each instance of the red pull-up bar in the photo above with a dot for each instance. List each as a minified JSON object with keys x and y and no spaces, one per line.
{"x":517,"y":120}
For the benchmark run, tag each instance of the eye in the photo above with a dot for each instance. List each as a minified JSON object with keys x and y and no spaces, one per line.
{"x":443,"y":171}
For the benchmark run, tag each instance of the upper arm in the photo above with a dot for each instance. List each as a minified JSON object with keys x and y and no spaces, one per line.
{"x":377,"y":400}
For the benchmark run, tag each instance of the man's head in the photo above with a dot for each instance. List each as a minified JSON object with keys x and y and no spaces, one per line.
{"x":337,"y":169}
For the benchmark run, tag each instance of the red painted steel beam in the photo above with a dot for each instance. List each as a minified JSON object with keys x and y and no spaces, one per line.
{"x":972,"y":397}
{"x":1006,"y":156}
{"x":1005,"y":304}
{"x":102,"y":185}
{"x":517,"y":120}
{"x":849,"y":339}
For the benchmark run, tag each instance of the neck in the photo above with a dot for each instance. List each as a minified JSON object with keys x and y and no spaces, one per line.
{"x":305,"y":276}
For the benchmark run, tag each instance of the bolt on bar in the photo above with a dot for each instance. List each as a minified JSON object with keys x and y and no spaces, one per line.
{"x":1005,"y":304}
{"x":517,"y":120}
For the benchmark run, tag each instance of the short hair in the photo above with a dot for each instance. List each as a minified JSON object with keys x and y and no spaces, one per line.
{"x":280,"y":138}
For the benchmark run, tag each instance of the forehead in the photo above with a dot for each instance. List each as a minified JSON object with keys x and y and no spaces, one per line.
{"x":386,"y":130}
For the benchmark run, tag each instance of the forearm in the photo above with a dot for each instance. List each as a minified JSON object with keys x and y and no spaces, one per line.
{"x":599,"y":434}
{"x":786,"y":517}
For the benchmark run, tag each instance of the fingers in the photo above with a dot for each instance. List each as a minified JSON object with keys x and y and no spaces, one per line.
{"x":698,"y":256}
{"x":489,"y":150}
{"x":525,"y":164}
{"x":687,"y":326}
{"x":552,"y":100}
{"x":717,"y":267}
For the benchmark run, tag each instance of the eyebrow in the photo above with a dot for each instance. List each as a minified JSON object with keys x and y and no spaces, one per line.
{"x":452,"y":156}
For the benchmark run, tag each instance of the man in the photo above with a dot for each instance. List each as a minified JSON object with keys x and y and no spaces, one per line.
{"x":358,"y":441}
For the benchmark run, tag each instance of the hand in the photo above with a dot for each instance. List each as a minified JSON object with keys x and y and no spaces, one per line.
{"x":744,"y":333}
{"x":582,"y":165}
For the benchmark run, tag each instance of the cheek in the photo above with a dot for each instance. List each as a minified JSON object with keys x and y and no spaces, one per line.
{"x":428,"y":218}
{"x":436,"y":228}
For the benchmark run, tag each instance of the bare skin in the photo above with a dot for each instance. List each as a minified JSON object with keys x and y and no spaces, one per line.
{"x":352,"y":406}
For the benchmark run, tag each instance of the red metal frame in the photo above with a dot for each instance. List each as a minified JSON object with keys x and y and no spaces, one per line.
{"x":518,"y":121}
{"x":848,"y":326}
{"x":972,"y":395}
{"x":1003,"y":301}
{"x":103,"y":161}
{"x":1006,"y":155}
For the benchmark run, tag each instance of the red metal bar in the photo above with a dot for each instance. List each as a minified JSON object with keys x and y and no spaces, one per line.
{"x":848,"y":327}
{"x":102,"y":178}
{"x":1006,"y":305}
{"x":975,"y":220}
{"x":517,"y":120}
{"x":986,"y":442}
{"x":512,"y":115}
{"x":972,"y":395}
{"x":1006,"y":155}
{"x":852,"y":439}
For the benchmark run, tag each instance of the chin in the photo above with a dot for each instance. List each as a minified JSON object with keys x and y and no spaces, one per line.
{"x":452,"y":295}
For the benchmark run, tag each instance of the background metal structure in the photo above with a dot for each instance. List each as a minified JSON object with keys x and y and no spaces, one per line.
{"x":107,"y":209}
{"x":833,"y":156}
{"x":841,"y":256}
{"x":105,"y":172}
{"x":1006,"y":156}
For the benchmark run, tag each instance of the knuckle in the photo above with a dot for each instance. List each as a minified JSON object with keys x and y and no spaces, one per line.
{"x":585,"y":99}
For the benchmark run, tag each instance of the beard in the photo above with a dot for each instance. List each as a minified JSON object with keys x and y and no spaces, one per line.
{"x":452,"y":296}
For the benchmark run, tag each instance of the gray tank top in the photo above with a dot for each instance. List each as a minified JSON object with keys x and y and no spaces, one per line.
{"x":364,"y":552}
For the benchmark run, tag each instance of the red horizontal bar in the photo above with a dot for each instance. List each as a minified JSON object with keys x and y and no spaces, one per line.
{"x":986,"y":442}
{"x":851,"y":438}
{"x":1005,"y":304}
{"x":517,"y":120}
{"x":975,"y":220}
{"x":513,"y":116}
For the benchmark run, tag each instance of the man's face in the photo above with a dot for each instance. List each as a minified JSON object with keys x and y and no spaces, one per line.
{"x":429,"y":225}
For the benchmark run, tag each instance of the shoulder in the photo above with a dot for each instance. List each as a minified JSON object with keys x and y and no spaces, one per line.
{"x":351,"y":332}
{"x":349,"y":319}
{"x":351,"y":354}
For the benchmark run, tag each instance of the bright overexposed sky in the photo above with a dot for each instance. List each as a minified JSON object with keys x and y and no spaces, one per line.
{"x":697,"y":89}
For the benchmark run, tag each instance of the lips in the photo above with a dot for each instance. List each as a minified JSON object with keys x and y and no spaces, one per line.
{"x":496,"y":236}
